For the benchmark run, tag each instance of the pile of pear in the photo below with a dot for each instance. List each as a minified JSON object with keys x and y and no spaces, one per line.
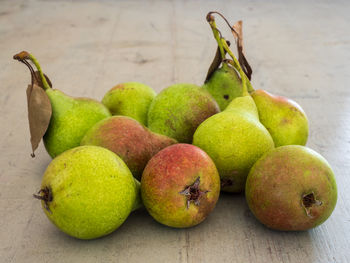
{"x":173,"y":152}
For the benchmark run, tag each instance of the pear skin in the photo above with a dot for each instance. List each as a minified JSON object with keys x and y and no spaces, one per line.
{"x":178,"y":110}
{"x":130,"y":99}
{"x":235,"y":140}
{"x":129,"y":139}
{"x":224,"y":85}
{"x":291,"y":188}
{"x":71,"y":119}
{"x":283,"y":118}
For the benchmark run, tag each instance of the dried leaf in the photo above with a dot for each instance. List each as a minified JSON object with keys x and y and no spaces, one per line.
{"x":39,"y":114}
{"x":238,"y":35}
{"x":215,"y":64}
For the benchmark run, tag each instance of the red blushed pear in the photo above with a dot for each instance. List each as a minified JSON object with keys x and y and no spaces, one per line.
{"x":283,"y":118}
{"x":180,"y":186}
{"x":129,"y":139}
{"x":291,"y":188}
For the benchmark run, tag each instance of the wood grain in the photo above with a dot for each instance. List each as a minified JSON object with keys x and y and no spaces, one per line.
{"x":297,"y":49}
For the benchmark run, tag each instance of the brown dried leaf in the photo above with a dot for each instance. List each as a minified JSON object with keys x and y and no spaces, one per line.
{"x":215,"y":64}
{"x":238,"y":35}
{"x":39,"y":114}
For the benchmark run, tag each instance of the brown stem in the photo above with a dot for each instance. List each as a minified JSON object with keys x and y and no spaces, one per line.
{"x":23,"y":55}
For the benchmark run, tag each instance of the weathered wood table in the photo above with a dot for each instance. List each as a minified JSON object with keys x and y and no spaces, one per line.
{"x":300,"y":50}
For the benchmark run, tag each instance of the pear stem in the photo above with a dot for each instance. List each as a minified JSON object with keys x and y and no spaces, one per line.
{"x":138,"y":202}
{"x":37,"y":65}
{"x":217,"y":34}
{"x":245,"y":81}
{"x":247,"y":86}
{"x":23,"y":56}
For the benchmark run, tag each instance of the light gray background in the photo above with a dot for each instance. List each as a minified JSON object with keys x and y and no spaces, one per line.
{"x":300,"y":49}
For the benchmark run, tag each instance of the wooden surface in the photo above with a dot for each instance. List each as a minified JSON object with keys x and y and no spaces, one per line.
{"x":297,"y":49}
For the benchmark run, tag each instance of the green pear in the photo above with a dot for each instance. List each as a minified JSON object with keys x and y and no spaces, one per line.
{"x":130,"y":99}
{"x":224,"y":85}
{"x":88,"y":192}
{"x":71,"y":117}
{"x":284,"y":118}
{"x":178,"y":110}
{"x":235,"y":139}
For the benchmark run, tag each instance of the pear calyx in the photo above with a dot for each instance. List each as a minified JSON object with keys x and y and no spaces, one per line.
{"x":193,"y":193}
{"x":308,"y":201}
{"x":226,"y":182}
{"x":45,"y":194}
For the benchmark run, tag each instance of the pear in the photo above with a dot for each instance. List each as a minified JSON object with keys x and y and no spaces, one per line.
{"x":224,"y":85}
{"x":235,"y":139}
{"x":130,"y":99}
{"x":291,"y":188}
{"x":179,"y":109}
{"x":180,"y":186}
{"x":71,"y":117}
{"x":284,"y":118}
{"x":88,"y":192}
{"x":129,"y":139}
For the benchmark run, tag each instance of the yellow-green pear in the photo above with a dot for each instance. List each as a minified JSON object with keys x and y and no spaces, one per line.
{"x":130,"y":99}
{"x":88,"y":192}
{"x":235,"y":139}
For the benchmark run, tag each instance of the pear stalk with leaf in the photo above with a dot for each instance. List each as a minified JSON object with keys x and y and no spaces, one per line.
{"x":235,"y":139}
{"x":223,"y":83}
{"x":284,"y":118}
{"x":59,"y":119}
